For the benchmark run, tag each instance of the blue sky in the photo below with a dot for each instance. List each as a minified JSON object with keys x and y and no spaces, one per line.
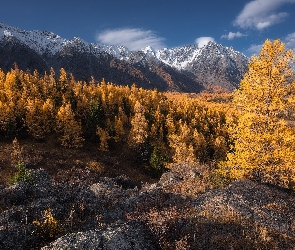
{"x":136,"y":24}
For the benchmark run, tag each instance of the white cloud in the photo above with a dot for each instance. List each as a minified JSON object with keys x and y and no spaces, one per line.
{"x":232,"y":35}
{"x":260,"y":14}
{"x":254,"y":49}
{"x":133,"y":39}
{"x":290,"y":41}
{"x":202,"y":41}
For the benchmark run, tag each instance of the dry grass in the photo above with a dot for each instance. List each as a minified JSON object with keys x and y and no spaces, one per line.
{"x":214,"y":227}
{"x":169,"y":214}
{"x":175,"y":223}
{"x":56,"y":160}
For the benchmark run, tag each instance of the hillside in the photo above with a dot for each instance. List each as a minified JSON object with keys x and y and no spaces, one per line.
{"x":95,"y":199}
{"x":85,"y":210}
{"x":185,"y":69}
{"x":95,"y":165}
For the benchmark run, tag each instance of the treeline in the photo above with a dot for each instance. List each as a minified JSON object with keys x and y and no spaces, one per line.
{"x":160,"y":127}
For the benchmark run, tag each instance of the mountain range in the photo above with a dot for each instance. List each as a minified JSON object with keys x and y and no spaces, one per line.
{"x":186,"y":68}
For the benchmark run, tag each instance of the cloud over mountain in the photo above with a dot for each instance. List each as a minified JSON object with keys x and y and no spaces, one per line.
{"x":254,"y":49}
{"x":202,"y":41}
{"x":133,"y":39}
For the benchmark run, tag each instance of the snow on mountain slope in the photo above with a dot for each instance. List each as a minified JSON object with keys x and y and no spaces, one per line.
{"x":212,"y":64}
{"x":182,"y":57}
{"x":48,"y":42}
{"x":39,"y":41}
{"x":178,"y":57}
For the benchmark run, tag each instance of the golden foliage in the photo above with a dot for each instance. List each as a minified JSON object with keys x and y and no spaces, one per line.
{"x":139,"y":130}
{"x":263,"y":147}
{"x":49,"y":227}
{"x":39,"y":117}
{"x":70,"y":128}
{"x":109,"y":114}
{"x":119,"y":129}
{"x":181,"y":142}
{"x":104,"y":137}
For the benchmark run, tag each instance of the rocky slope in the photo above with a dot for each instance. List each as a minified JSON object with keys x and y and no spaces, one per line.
{"x":113,"y":213}
{"x":187,"y":68}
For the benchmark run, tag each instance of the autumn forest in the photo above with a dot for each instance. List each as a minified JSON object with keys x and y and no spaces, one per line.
{"x":95,"y":165}
{"x":245,"y":134}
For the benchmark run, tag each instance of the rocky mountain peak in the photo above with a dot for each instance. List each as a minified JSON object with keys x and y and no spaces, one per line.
{"x":213,"y":64}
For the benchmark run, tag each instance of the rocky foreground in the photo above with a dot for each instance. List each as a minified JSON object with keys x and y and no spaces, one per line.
{"x":178,"y":212}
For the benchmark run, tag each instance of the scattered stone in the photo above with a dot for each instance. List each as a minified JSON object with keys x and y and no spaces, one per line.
{"x":99,"y":215}
{"x":123,"y":237}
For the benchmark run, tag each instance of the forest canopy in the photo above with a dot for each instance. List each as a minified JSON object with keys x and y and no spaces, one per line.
{"x":159,"y":127}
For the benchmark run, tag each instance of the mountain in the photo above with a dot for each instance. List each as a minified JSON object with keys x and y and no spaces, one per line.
{"x":185,"y":69}
{"x":214,"y":64}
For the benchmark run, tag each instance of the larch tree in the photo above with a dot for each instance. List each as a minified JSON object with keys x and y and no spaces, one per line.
{"x":182,"y":144}
{"x":70,"y":128}
{"x":157,"y":135}
{"x":11,"y":103}
{"x":103,"y":137}
{"x":39,"y":117}
{"x":139,"y":130}
{"x":119,"y":129}
{"x":264,"y":147}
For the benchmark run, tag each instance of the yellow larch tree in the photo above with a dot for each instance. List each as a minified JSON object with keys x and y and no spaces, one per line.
{"x":119,"y":129}
{"x":39,"y":117}
{"x":182,"y":144}
{"x":264,"y":146}
{"x":139,"y":130}
{"x":11,"y":103}
{"x":70,"y":128}
{"x":103,"y":137}
{"x":157,"y":126}
{"x":122,"y":116}
{"x":200,"y":145}
{"x":170,"y":124}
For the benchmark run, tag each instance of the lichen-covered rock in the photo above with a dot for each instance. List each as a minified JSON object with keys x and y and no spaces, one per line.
{"x":112,"y":213}
{"x":265,"y":205}
{"x":75,"y":207}
{"x":122,"y":237}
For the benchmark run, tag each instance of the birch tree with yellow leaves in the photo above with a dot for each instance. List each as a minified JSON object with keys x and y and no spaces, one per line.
{"x":264,"y":147}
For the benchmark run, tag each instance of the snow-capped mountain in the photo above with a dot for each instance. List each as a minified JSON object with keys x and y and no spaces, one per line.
{"x":39,"y":41}
{"x":186,"y":68}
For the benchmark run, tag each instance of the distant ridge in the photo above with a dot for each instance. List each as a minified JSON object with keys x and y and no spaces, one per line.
{"x":185,"y":69}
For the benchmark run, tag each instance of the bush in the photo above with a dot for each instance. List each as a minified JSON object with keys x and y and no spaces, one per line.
{"x":49,"y":227}
{"x":22,"y":174}
{"x":157,"y":161}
